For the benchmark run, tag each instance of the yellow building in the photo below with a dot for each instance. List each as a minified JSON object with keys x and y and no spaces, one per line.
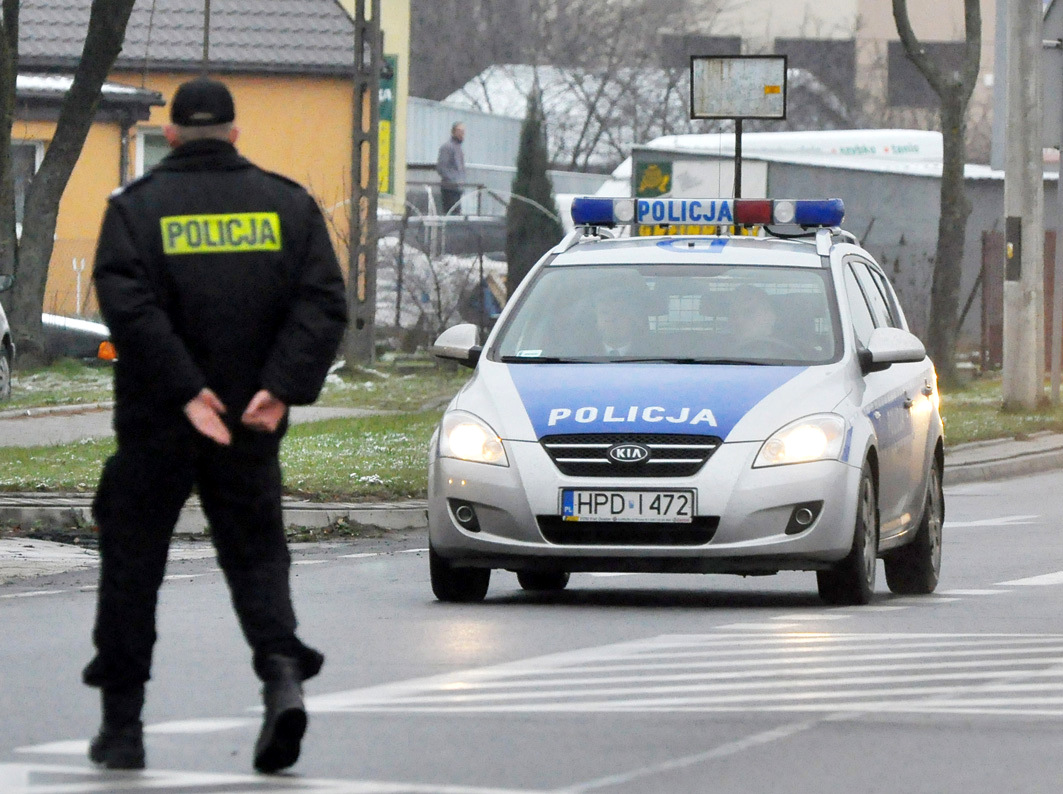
{"x":290,"y":73}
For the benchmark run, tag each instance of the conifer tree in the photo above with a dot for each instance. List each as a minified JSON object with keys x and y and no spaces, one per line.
{"x":532,"y":224}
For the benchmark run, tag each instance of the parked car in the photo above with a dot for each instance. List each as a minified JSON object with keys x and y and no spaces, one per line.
{"x":74,"y":337}
{"x":7,"y":344}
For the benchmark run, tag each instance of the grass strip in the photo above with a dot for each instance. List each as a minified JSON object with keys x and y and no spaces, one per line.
{"x":375,"y":458}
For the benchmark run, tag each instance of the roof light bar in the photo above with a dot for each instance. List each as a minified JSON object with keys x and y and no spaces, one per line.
{"x":595,"y":211}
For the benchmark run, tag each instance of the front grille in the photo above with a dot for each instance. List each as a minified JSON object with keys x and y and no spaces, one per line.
{"x":623,"y":533}
{"x":671,"y":454}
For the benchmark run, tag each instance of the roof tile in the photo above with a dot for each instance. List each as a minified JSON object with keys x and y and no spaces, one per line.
{"x":245,"y":35}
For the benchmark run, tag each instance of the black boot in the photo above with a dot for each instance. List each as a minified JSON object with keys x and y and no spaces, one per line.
{"x":285,"y":720}
{"x":120,"y":742}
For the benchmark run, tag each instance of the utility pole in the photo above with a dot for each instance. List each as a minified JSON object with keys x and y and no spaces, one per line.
{"x":362,"y":236}
{"x":205,"y":66}
{"x":1024,"y":318}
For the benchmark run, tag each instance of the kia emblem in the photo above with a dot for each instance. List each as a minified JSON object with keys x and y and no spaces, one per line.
{"x":628,"y":453}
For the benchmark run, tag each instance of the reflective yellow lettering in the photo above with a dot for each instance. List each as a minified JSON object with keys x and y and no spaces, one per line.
{"x":238,"y":232}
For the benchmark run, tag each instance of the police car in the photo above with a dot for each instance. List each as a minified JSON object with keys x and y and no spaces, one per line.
{"x":692,"y":397}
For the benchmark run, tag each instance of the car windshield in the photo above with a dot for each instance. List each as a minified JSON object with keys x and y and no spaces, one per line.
{"x":740,"y":314}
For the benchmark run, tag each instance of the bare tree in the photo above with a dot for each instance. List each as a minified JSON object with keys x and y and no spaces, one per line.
{"x":28,"y":255}
{"x":954,"y":90}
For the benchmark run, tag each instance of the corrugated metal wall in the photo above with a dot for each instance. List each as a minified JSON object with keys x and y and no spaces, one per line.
{"x":489,"y":140}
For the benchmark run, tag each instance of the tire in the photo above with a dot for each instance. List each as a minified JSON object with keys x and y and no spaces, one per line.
{"x":5,"y":372}
{"x":914,"y":569}
{"x":543,"y":580}
{"x":457,"y":585}
{"x":852,"y":581}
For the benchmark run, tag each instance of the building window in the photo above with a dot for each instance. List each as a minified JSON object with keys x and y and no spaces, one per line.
{"x":906,"y":85}
{"x":151,"y":148}
{"x":833,"y":61}
{"x":676,"y":50}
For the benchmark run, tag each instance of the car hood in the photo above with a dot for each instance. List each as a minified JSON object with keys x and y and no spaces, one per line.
{"x":524,"y":402}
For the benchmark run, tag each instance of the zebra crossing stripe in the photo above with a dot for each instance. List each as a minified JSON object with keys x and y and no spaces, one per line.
{"x":787,"y":671}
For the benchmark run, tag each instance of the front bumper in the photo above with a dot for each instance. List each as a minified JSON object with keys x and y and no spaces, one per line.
{"x":749,"y":509}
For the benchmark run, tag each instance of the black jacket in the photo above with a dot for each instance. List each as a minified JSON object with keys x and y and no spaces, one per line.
{"x":212,"y":272}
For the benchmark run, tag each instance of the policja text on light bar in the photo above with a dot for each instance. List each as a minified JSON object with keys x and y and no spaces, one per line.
{"x":595,"y":211}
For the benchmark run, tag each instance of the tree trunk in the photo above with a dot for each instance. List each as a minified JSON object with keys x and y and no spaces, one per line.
{"x":8,"y":73}
{"x":103,"y":42}
{"x":952,"y":228}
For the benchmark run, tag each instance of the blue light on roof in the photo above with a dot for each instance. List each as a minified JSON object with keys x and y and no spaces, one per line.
{"x":826,"y":212}
{"x":592,"y":211}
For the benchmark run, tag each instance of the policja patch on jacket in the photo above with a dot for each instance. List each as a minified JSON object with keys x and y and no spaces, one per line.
{"x":221,"y":234}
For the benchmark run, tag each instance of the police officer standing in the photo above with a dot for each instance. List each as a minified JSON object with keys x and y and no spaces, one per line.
{"x":226,"y":305}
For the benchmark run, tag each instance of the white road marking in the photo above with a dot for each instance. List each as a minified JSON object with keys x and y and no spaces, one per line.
{"x":72,"y":747}
{"x":880,"y":608}
{"x":972,"y":592}
{"x":172,"y":576}
{"x":360,"y":555}
{"x":309,"y":562}
{"x":1036,"y":581}
{"x":735,"y":671}
{"x":49,"y":779}
{"x":1000,"y":521}
{"x":33,"y":594}
{"x":722,"y":751}
{"x":411,"y":551}
{"x":811,"y":616}
{"x":607,"y":574}
{"x":759,"y":626}
{"x":198,"y":726}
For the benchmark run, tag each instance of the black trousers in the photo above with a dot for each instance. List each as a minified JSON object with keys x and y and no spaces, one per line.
{"x":450,"y":196}
{"x":138,"y":501}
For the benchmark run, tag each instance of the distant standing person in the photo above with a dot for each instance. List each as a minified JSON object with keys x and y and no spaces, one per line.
{"x":451,"y":167}
{"x":226,"y":305}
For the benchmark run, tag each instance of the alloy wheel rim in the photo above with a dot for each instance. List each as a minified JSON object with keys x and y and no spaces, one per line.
{"x":934,"y":522}
{"x":867,"y":515}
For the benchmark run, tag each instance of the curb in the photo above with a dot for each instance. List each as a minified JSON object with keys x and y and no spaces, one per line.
{"x":62,"y":510}
{"x":50,"y":510}
{"x":1003,"y":468}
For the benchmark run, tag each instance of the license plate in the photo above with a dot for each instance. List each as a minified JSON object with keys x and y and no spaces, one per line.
{"x":666,"y":507}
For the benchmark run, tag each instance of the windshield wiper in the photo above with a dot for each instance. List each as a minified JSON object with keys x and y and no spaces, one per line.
{"x":693,"y":360}
{"x":541,"y":360}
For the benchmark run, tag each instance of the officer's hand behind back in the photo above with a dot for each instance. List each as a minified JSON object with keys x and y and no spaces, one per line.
{"x":204,"y":412}
{"x":264,"y":413}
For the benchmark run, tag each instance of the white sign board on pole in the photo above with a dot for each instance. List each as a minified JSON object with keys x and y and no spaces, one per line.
{"x":738,"y":86}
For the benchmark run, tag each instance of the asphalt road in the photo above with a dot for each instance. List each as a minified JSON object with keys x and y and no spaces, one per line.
{"x":620,"y":684}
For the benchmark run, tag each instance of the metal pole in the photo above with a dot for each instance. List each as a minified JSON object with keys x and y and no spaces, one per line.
{"x":738,"y":159}
{"x":206,"y":37}
{"x":1057,"y":280}
{"x":361,"y":282}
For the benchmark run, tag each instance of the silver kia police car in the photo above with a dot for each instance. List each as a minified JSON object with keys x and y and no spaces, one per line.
{"x":678,"y":400}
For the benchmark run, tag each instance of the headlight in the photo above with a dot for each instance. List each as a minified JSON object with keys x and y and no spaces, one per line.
{"x":818,"y":437}
{"x":467,"y":437}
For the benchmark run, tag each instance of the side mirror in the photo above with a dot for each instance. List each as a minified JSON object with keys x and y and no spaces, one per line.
{"x":458,"y":343}
{"x":890,"y":346}
{"x":7,"y":281}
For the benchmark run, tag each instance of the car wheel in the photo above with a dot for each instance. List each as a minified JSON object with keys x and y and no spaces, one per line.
{"x":852,"y":581}
{"x":461,"y":585}
{"x":914,"y":569}
{"x":543,"y":580}
{"x":5,"y":372}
